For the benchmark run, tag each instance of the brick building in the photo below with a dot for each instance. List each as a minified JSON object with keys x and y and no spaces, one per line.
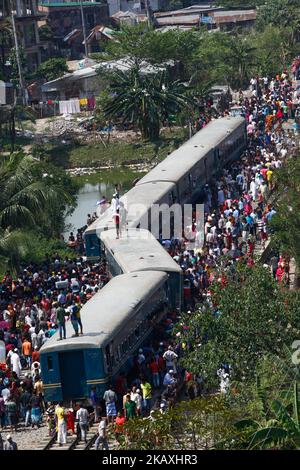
{"x":26,"y":19}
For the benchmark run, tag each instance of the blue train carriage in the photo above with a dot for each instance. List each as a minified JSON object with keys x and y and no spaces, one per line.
{"x":137,"y":202}
{"x":139,"y":250}
{"x":116,"y":321}
{"x":192,"y":165}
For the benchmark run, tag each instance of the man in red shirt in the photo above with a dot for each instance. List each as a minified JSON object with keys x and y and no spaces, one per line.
{"x":155,"y":372}
{"x":119,"y":426}
{"x":26,"y":351}
{"x":36,"y":355}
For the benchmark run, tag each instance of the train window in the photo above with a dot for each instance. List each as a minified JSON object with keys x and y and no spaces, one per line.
{"x":137,"y":332}
{"x":50,"y":362}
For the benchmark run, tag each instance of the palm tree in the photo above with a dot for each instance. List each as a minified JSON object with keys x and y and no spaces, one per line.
{"x":145,"y":100}
{"x":27,"y":196}
{"x":280,"y":432}
{"x":241,"y":59}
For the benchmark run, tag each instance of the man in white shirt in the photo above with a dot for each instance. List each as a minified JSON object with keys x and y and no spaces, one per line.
{"x":82,"y":416}
{"x":102,"y":435}
{"x":16,"y":363}
{"x":170,"y":357}
{"x":137,"y":398}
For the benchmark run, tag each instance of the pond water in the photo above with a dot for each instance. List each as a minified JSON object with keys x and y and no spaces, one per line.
{"x":92,"y":188}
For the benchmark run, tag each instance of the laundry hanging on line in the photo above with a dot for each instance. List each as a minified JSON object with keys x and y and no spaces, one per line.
{"x":69,"y":107}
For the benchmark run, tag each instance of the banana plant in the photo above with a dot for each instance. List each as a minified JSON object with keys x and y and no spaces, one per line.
{"x":280,"y":432}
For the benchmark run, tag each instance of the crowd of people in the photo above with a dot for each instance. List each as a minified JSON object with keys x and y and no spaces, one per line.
{"x":33,"y":306}
{"x":38,"y":302}
{"x":237,"y":203}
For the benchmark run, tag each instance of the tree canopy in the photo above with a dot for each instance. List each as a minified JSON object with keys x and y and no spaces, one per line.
{"x":286,"y":221}
{"x":52,"y":68}
{"x":144,"y":99}
{"x":248,"y":316}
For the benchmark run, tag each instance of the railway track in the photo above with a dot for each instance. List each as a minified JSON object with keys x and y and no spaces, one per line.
{"x":73,"y":442}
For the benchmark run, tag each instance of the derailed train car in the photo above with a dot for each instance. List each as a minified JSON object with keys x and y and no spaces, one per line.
{"x":119,"y":318}
{"x":179,"y":178}
{"x":117,"y":321}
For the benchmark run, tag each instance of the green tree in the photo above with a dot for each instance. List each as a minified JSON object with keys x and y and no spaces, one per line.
{"x":279,"y":430}
{"x":286,"y":222}
{"x":239,"y":3}
{"x":284,"y":14}
{"x":140,"y":44}
{"x":45,"y":33}
{"x":273,"y":49}
{"x":241,"y":58}
{"x":52,"y":68}
{"x":5,"y":43}
{"x":203,"y":423}
{"x":30,"y":199}
{"x":249,"y":316}
{"x":144,"y":100}
{"x":14,"y":76}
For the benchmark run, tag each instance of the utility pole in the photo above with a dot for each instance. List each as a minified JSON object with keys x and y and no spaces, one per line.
{"x":83,"y":29}
{"x":21,"y":80}
{"x":148,"y":11}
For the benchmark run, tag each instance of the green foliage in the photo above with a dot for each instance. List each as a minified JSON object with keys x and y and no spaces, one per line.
{"x":272,"y":48}
{"x":33,"y":198}
{"x":251,"y":316}
{"x":14,"y":76}
{"x":203,"y":423}
{"x":144,"y":100}
{"x":286,"y":221}
{"x":280,"y":430}
{"x":115,"y":153}
{"x":139,"y":44}
{"x":52,"y":69}
{"x":5,"y":43}
{"x":45,"y":33}
{"x":239,"y":3}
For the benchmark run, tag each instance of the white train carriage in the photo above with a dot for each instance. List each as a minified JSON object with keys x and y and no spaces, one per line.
{"x":138,"y":250}
{"x":192,"y":165}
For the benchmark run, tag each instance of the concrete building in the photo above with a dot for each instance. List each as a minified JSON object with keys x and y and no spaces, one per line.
{"x":205,"y":15}
{"x":135,"y":6}
{"x":64,"y":19}
{"x":26,"y":19}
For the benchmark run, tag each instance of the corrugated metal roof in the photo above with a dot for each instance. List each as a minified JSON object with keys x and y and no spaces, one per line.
{"x":178,"y":20}
{"x":234,"y":15}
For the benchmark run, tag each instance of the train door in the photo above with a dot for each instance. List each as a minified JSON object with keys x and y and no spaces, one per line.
{"x":217,"y":161}
{"x":205,"y":169}
{"x":72,"y":373}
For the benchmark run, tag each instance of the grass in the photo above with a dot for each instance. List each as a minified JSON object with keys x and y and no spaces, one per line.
{"x":110,"y":176}
{"x":5,"y":144}
{"x":75,"y":155}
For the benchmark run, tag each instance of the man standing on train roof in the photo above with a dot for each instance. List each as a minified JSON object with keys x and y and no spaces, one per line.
{"x":61,"y":314}
{"x":74,"y":318}
{"x":115,"y":203}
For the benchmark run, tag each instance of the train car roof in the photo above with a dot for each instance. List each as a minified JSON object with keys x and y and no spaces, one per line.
{"x":139,"y":199}
{"x":182,"y":160}
{"x":107,"y":311}
{"x":138,"y":250}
